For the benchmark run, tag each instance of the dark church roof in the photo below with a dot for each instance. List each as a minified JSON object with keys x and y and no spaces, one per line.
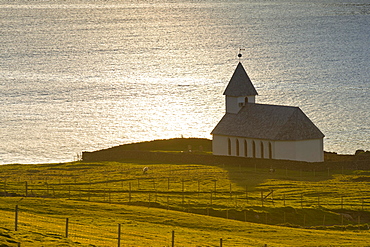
{"x":240,"y":84}
{"x":270,"y":122}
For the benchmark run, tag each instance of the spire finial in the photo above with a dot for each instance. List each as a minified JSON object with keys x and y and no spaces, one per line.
{"x":240,"y":53}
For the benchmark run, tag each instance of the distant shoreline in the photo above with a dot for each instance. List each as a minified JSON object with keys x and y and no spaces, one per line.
{"x":182,"y":145}
{"x":199,"y":151}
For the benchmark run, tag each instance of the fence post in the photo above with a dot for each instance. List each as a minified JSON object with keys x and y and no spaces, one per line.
{"x":182,"y":185}
{"x":26,"y":189}
{"x":16,"y":218}
{"x":5,"y":187}
{"x":129,"y":192}
{"x":246,"y":192}
{"x":230,"y":191}
{"x":215,"y":186}
{"x":173,"y":239}
{"x":323,"y":221}
{"x":198,"y":187}
{"x":359,"y":221}
{"x":109,"y":196}
{"x":262,"y":198}
{"x":67,"y":222}
{"x":284,"y":217}
{"x":119,"y":235}
{"x":301,"y":200}
{"x":220,"y":242}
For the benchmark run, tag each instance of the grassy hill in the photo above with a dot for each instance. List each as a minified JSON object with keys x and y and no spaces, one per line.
{"x":201,"y":203}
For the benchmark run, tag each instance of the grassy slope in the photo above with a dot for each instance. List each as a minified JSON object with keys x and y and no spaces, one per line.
{"x":142,"y":226}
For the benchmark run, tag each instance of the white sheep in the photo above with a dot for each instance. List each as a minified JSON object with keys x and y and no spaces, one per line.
{"x":145,"y":169}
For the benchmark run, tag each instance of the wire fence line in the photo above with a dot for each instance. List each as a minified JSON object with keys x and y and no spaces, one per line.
{"x":104,"y":235}
{"x":60,"y":227}
{"x":78,"y":229}
{"x":182,"y":194}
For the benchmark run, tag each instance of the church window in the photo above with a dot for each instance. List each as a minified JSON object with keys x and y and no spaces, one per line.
{"x":229,"y":146}
{"x":270,"y":151}
{"x":262,"y":151}
{"x":237,"y":147}
{"x":254,"y":149}
{"x":245,"y":148}
{"x":246,"y":100}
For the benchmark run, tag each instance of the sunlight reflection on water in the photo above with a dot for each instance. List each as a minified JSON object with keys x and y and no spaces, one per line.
{"x":84,"y":76}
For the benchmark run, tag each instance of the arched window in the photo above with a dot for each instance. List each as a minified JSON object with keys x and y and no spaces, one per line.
{"x":245,"y":148}
{"x":237,"y":147}
{"x":270,"y":150}
{"x":254,"y":149}
{"x":246,"y":100}
{"x":262,"y":151}
{"x":229,"y":146}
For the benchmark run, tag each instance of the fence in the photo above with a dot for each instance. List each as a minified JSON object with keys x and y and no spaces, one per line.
{"x":209,"y":197}
{"x":111,"y":235}
{"x":205,"y":190}
{"x":78,"y":230}
{"x":179,"y":193}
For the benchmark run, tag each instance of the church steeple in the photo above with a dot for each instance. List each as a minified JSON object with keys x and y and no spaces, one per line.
{"x":239,"y":91}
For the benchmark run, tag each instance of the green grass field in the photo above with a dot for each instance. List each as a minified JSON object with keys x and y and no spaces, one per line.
{"x":200,"y":203}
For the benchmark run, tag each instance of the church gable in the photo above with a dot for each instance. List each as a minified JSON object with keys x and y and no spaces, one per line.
{"x":299,"y":127}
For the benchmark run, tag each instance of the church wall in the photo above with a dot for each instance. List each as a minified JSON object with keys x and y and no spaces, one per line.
{"x":306,"y":150}
{"x":310,"y":150}
{"x":285,"y":150}
{"x":251,"y":148}
{"x":232,"y":105}
{"x":220,"y":145}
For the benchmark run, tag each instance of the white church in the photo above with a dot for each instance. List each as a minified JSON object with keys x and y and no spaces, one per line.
{"x":264,"y":131}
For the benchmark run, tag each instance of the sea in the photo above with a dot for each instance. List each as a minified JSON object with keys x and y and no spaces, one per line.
{"x":84,"y":75}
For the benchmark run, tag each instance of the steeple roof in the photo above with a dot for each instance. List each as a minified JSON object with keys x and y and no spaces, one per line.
{"x":240,"y":84}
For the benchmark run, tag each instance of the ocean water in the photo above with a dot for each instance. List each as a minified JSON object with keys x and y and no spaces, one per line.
{"x":85,"y":75}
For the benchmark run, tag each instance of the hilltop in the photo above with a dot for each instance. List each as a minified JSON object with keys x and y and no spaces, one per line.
{"x":199,"y":151}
